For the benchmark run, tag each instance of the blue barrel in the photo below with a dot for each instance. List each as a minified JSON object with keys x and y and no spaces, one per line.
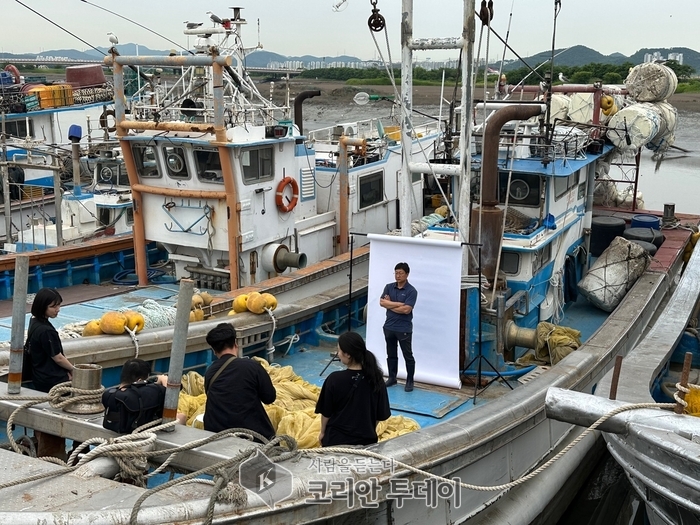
{"x":645,"y":221}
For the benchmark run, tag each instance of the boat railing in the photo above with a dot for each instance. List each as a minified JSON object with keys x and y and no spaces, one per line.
{"x":367,"y":129}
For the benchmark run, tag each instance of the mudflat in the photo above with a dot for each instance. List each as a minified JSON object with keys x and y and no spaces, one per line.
{"x":335,"y":92}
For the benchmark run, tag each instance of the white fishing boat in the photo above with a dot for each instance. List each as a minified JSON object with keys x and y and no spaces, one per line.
{"x":66,"y":183}
{"x":238,"y":195}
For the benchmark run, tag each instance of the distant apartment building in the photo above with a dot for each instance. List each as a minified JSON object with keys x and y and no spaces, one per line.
{"x":656,"y":56}
{"x":364,"y":64}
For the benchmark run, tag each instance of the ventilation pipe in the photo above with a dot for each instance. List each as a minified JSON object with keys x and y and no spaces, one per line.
{"x":489,"y":215}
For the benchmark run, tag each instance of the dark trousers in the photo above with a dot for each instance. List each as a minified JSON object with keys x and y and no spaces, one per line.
{"x":392,"y":359}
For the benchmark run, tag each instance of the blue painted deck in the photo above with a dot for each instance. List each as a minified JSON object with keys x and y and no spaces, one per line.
{"x":425,"y":405}
{"x":583,"y":316}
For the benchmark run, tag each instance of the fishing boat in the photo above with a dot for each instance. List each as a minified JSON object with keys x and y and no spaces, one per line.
{"x":65,"y":179}
{"x":649,"y":431}
{"x":203,"y":176}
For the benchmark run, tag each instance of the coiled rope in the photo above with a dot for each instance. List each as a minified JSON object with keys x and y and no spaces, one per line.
{"x":60,"y":396}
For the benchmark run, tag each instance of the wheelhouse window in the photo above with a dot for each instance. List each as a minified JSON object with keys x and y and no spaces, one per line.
{"x":208,"y":165}
{"x":524,"y":189}
{"x":112,"y":172}
{"x":510,"y":262}
{"x":145,"y":160}
{"x":563,"y":184}
{"x":371,"y":189}
{"x":175,"y":162}
{"x":18,"y":128}
{"x":257,"y":164}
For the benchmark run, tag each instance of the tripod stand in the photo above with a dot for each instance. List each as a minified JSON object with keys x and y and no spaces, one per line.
{"x":480,"y":357}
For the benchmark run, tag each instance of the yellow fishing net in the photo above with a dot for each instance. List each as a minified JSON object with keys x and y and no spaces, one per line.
{"x":292,"y":413}
{"x":693,"y":400}
{"x":554,"y":343}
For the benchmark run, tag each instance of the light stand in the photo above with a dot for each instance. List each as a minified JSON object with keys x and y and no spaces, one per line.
{"x":480,"y":357}
{"x":334,"y":356}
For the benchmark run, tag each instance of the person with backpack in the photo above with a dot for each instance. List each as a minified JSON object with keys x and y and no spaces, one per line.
{"x":137,"y":400}
{"x":236,"y":387}
{"x":352,"y":401}
{"x":45,"y":364}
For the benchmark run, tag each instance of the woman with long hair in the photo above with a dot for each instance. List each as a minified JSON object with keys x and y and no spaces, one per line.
{"x":353,"y":400}
{"x":49,"y":366}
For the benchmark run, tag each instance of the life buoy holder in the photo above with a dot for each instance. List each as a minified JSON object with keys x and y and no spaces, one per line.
{"x":14,"y":72}
{"x":279,"y":196}
{"x":104,"y":123}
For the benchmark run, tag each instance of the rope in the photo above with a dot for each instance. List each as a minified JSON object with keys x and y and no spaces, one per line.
{"x":685,"y":390}
{"x":490,"y":488}
{"x":156,"y":315}
{"x":60,"y":396}
{"x":225,"y":490}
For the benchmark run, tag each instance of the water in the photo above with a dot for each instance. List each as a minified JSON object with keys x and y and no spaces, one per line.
{"x":679,"y":173}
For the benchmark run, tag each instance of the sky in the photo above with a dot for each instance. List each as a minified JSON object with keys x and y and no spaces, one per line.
{"x":313,"y":27}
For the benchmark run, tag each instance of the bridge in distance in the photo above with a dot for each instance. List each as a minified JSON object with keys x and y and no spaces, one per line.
{"x":72,"y":62}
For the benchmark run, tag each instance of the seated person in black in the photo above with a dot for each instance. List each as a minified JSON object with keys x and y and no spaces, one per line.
{"x":137,"y":400}
{"x":49,"y":367}
{"x":353,"y":400}
{"x":235,"y":387}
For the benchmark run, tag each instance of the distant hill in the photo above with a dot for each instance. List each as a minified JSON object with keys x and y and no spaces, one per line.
{"x":574,"y":56}
{"x":582,"y":55}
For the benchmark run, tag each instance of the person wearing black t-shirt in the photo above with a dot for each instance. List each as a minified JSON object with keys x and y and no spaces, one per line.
{"x":49,"y":366}
{"x":236,"y":387}
{"x":352,"y":401}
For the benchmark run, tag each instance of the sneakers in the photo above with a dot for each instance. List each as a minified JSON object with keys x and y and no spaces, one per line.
{"x":390,"y":382}
{"x":409,"y":386}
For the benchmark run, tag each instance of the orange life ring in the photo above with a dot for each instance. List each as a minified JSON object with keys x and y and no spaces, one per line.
{"x":279,"y":196}
{"x":105,"y":124}
{"x":14,"y":72}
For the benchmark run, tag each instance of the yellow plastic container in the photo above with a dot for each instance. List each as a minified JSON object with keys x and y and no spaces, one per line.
{"x":392,"y":132}
{"x":53,"y":96}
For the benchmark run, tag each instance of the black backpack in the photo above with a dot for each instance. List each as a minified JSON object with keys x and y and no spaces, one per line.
{"x":136,"y":405}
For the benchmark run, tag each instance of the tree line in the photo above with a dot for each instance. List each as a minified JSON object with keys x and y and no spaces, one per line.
{"x":586,"y":74}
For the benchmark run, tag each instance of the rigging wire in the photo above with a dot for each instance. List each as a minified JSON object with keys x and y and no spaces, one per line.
{"x":503,"y":58}
{"x":60,"y":27}
{"x":140,"y":25}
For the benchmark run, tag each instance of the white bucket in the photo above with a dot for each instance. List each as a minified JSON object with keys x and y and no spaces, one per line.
{"x":637,"y":124}
{"x":651,"y":82}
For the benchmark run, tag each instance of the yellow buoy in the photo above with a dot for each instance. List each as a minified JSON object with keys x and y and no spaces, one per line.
{"x":113,"y":323}
{"x":270,"y":300}
{"x":240,"y":303}
{"x":92,"y":328}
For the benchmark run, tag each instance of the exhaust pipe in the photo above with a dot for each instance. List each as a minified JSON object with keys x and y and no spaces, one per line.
{"x":490,"y":216}
{"x":277,"y":258}
{"x":298,"y":101}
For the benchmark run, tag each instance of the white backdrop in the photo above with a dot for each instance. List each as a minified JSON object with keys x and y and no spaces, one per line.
{"x":436,"y":274}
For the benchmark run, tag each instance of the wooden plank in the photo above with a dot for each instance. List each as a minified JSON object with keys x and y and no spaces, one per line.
{"x":60,"y":254}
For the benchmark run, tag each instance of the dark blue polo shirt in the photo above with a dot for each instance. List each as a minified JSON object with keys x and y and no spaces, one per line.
{"x":406,"y":295}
